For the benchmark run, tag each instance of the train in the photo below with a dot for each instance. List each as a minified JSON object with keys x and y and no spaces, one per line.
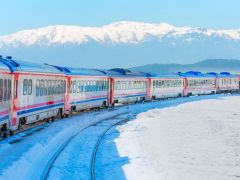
{"x":32,"y":92}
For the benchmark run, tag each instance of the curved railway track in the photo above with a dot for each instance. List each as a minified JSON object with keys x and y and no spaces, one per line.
{"x":55,"y":156}
{"x":94,"y":154}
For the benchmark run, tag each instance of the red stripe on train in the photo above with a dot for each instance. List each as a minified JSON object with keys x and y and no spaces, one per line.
{"x":4,"y":112}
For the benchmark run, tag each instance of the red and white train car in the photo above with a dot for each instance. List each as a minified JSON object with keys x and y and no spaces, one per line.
{"x":227,"y":82}
{"x":38,"y":92}
{"x":197,"y":83}
{"x":165,"y":85}
{"x":127,"y":86}
{"x":86,"y":88}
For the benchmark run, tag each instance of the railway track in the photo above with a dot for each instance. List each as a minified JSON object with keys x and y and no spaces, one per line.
{"x":94,"y":154}
{"x":63,"y":146}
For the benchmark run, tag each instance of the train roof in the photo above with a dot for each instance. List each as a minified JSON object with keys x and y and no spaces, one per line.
{"x":223,"y":74}
{"x":4,"y":66}
{"x":159,"y":75}
{"x":120,"y":72}
{"x":79,"y":71}
{"x":18,"y":65}
{"x":196,"y":74}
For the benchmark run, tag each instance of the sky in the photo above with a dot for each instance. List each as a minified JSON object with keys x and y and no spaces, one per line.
{"x":18,"y":15}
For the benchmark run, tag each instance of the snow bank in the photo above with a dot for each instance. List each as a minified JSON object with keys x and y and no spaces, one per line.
{"x":195,"y":140}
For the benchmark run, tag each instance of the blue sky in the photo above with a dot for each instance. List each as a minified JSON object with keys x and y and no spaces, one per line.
{"x":26,"y":14}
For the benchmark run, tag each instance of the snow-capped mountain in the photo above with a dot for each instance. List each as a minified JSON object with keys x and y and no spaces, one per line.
{"x":120,"y":32}
{"x":121,"y":44}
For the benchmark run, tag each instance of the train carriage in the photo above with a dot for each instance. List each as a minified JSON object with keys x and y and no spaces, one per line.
{"x":38,"y":92}
{"x":5,"y":97}
{"x":197,"y":83}
{"x":127,"y":86}
{"x":165,"y":85}
{"x":227,"y":82}
{"x":87,"y":88}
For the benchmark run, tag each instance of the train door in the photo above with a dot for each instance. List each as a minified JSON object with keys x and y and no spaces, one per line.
{"x":14,"y":102}
{"x":185,"y":86}
{"x":111,"y":92}
{"x":23,"y":93}
{"x":148,"y":84}
{"x":67,"y":95}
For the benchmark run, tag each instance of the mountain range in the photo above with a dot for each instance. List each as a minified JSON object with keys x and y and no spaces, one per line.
{"x":210,"y":65}
{"x":121,"y":44}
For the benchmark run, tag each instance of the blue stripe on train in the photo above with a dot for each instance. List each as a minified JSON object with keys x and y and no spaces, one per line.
{"x":39,"y":108}
{"x":4,"y":118}
{"x":88,"y":100}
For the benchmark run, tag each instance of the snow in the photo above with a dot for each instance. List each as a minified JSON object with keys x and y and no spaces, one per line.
{"x":184,"y":138}
{"x":193,"y":140}
{"x":29,"y":158}
{"x":115,"y":33}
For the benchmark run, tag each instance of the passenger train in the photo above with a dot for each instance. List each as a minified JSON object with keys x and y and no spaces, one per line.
{"x":31,"y":93}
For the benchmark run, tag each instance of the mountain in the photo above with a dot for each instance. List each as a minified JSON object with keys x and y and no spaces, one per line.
{"x":121,"y":44}
{"x":211,"y":65}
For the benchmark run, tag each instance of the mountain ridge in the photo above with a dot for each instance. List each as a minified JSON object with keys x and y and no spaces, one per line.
{"x":118,"y":32}
{"x":208,"y":65}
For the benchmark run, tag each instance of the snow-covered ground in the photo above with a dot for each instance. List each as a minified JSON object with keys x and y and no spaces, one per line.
{"x":185,"y":138}
{"x":190,"y":141}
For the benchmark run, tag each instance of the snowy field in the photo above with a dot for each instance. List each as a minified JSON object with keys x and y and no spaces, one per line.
{"x":185,"y":138}
{"x":190,"y":141}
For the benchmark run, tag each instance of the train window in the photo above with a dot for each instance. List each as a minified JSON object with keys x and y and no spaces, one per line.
{"x":103,"y":85}
{"x":129,"y":85}
{"x":4,"y":90}
{"x":123,"y":85}
{"x":84,"y":86}
{"x":78,"y":87}
{"x":55,"y":87}
{"x":97,"y":85}
{"x":154,"y":84}
{"x":118,"y":85}
{"x":59,"y":87}
{"x":74,"y":86}
{"x":90,"y":86}
{"x":45,"y":87}
{"x":38,"y":87}
{"x":94,"y":86}
{"x":64,"y":86}
{"x":49,"y":87}
{"x":25,"y":86}
{"x":81,"y":86}
{"x":71,"y":85}
{"x":52,"y":87}
{"x":29,"y":87}
{"x":100,"y":85}
{"x":41,"y":87}
{"x":9,"y":89}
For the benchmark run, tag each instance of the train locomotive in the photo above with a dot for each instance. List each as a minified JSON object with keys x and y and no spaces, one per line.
{"x":31,"y":93}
